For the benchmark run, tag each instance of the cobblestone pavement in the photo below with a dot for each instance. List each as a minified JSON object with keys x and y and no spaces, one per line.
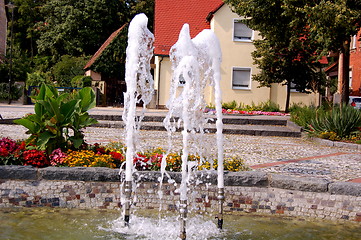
{"x":288,"y":156}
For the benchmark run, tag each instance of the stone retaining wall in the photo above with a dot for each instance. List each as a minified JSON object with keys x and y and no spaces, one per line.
{"x":246,"y":192}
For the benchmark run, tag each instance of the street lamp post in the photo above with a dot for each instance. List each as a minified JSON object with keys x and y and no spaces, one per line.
{"x":11,"y":6}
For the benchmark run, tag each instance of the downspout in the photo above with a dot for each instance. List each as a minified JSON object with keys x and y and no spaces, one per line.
{"x":158,"y":93}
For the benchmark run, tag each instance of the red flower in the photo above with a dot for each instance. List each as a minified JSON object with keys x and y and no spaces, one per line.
{"x":117,"y":156}
{"x":35,"y":158}
{"x":4,"y":152}
{"x":141,"y":162}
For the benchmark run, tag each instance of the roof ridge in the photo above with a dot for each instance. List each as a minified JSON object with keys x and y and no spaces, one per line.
{"x":104,"y":46}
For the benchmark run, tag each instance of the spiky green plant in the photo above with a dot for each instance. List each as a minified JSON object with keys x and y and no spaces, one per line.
{"x":342,"y":120}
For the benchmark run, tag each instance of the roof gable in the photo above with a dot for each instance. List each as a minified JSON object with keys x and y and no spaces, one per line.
{"x":103,"y":47}
{"x":170,"y":15}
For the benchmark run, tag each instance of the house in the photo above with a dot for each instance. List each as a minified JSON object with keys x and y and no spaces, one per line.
{"x":236,"y":44}
{"x":109,"y":90}
{"x":3,"y":28}
{"x":355,"y":65}
{"x":333,"y":70}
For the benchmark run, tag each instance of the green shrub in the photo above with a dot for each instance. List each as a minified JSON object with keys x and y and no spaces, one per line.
{"x":59,"y":119}
{"x":230,"y":105}
{"x":81,"y":81}
{"x":16,"y":91}
{"x":37,"y":78}
{"x":342,"y":120}
{"x":67,"y":68}
{"x":269,"y":106}
{"x":303,"y":115}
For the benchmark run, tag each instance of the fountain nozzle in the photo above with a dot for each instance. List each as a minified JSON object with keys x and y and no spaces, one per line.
{"x":220,"y":207}
{"x":183,"y":216}
{"x":128,"y":194}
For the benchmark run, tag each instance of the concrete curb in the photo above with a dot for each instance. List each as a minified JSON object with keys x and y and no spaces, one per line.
{"x":246,"y":179}
{"x":329,"y":143}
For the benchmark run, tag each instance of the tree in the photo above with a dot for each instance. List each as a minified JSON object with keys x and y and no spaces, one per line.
{"x":301,"y":31}
{"x":79,"y":27}
{"x":285,"y":54}
{"x":67,"y":68}
{"x":26,"y":15}
{"x":332,"y":23}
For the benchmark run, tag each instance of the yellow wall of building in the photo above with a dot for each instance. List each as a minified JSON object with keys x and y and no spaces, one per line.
{"x":234,"y":54}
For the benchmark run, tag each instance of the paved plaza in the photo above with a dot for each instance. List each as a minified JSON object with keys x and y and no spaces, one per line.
{"x":289,"y":156}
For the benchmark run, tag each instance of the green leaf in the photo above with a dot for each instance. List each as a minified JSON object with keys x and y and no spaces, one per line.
{"x":28,"y":124}
{"x":87,"y":97}
{"x":68,"y":109}
{"x":77,"y":142}
{"x":44,"y":139}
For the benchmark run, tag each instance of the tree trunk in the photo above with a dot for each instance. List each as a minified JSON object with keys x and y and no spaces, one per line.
{"x":345,"y":73}
{"x":288,"y":96}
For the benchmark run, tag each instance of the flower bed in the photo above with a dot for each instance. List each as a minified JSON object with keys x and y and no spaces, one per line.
{"x":241,"y":112}
{"x":111,"y":156}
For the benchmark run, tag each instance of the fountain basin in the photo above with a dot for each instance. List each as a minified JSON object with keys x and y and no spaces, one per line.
{"x":246,"y":192}
{"x":62,"y":223}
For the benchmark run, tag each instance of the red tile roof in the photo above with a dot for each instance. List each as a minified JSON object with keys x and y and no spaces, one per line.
{"x":103,"y":47}
{"x":170,"y":15}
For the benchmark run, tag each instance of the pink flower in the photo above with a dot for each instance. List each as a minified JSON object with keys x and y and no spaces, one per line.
{"x":57,"y":157}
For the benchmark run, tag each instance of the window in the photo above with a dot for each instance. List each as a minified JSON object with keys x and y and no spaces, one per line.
{"x":241,"y":78}
{"x":293,"y":87}
{"x":241,"y":32}
{"x":353,"y":42}
{"x":350,"y":78}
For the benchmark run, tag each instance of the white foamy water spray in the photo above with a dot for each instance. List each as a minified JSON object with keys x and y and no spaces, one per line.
{"x":139,"y":90}
{"x":155,"y":229}
{"x":195,"y":65}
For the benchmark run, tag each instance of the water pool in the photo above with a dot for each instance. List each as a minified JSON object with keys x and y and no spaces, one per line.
{"x":59,"y":223}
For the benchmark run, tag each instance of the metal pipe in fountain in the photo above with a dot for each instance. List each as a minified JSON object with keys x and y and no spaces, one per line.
{"x":216,"y":61}
{"x":139,"y":89}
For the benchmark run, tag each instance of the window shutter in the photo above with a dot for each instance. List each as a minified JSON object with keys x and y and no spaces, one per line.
{"x":241,"y":31}
{"x":241,"y":78}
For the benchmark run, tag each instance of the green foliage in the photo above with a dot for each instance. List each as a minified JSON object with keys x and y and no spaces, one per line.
{"x":268,"y":106}
{"x":112,"y":60}
{"x":230,"y":105}
{"x":59,"y":119}
{"x":303,"y":115}
{"x":342,"y":120}
{"x":302,"y":32}
{"x":331,"y":22}
{"x":67,"y":68}
{"x":81,"y":81}
{"x":37,"y":78}
{"x":80,"y":27}
{"x":26,"y":14}
{"x":16,"y":91}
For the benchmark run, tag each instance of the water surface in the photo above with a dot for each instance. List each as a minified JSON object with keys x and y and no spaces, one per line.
{"x":77,"y":224}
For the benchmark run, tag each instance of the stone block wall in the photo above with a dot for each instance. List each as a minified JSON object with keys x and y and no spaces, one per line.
{"x":245,"y":192}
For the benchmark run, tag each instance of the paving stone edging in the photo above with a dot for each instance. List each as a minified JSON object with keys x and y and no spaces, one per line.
{"x":329,"y":143}
{"x":244,"y":179}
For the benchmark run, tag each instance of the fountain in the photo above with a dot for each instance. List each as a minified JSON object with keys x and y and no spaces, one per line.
{"x":196,"y":65}
{"x":139,"y":89}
